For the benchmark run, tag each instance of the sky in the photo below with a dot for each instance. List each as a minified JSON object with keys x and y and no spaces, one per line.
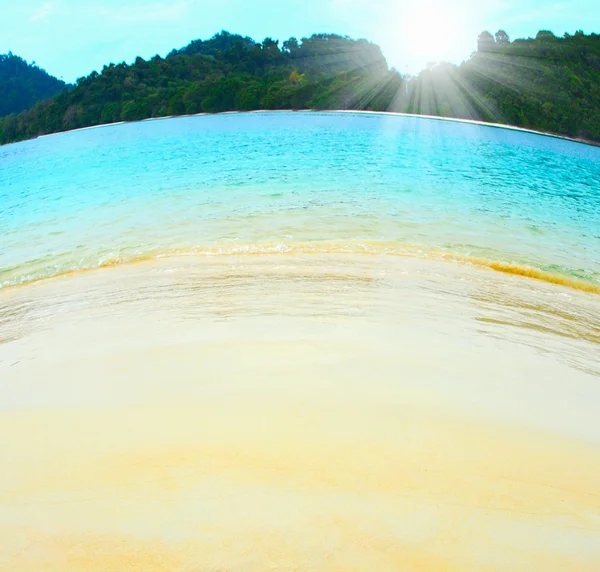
{"x":71,"y":38}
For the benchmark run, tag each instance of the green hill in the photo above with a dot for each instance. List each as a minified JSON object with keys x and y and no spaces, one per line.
{"x":545,"y":83}
{"x":22,"y":85}
{"x":227,"y":72}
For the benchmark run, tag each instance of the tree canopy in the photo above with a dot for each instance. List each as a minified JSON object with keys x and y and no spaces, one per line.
{"x":227,"y":72}
{"x":546,"y":83}
{"x":22,"y":85}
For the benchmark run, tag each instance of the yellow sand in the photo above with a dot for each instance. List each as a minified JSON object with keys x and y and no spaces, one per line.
{"x":298,"y":415}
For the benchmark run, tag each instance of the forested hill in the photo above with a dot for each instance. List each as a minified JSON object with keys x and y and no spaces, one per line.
{"x":227,"y":72}
{"x":22,"y":85}
{"x":546,"y":83}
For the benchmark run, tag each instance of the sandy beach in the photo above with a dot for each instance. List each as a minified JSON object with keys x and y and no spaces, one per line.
{"x":299,"y":413}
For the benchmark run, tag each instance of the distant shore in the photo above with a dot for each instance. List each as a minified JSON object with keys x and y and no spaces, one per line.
{"x":476,"y":122}
{"x":347,"y":111}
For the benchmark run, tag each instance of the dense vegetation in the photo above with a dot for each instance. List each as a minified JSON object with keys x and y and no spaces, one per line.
{"x":546,"y":83}
{"x":227,"y":72}
{"x":22,"y":85}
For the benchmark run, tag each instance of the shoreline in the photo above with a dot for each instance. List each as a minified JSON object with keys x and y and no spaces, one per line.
{"x":368,"y":249}
{"x":332,"y":111}
{"x":506,"y":126}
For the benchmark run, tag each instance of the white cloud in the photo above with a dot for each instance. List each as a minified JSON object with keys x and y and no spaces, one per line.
{"x":44,"y":12}
{"x":150,"y":12}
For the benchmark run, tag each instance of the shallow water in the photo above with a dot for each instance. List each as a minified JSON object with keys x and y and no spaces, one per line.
{"x":298,"y":181}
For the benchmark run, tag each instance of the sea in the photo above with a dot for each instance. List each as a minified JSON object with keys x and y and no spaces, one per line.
{"x":302,"y":182}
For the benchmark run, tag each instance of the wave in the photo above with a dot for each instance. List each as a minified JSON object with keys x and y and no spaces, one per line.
{"x":21,"y":276}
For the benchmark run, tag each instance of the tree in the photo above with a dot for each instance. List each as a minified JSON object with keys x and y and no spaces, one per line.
{"x":485,"y":42}
{"x":22,"y":85}
{"x":128,"y":112}
{"x":135,"y":110}
{"x":502,"y":38}
{"x":176,"y":105}
{"x":249,"y":97}
{"x":545,"y":36}
{"x":290,"y":46}
{"x":111,"y":112}
{"x":270,"y":50}
{"x":192,"y":99}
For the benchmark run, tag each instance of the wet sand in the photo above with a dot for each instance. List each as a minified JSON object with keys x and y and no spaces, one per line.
{"x":299,"y":413}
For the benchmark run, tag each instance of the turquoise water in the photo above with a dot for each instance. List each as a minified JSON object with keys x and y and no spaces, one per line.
{"x":306,"y":182}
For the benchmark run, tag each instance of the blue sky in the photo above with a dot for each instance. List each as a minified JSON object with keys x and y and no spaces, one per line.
{"x":70,"y":38}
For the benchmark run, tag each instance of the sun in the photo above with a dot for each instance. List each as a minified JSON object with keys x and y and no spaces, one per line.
{"x":416,"y":34}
